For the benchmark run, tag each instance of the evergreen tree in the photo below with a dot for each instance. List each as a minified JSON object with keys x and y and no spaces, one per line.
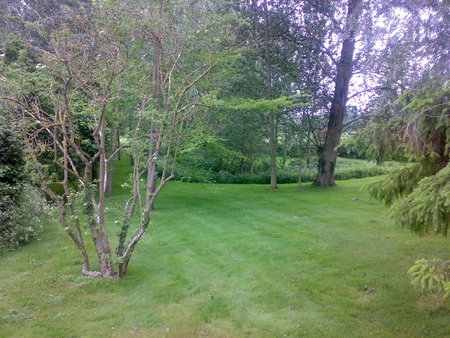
{"x":418,"y":127}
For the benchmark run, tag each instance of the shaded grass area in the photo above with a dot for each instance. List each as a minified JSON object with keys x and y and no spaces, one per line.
{"x":233,"y":261}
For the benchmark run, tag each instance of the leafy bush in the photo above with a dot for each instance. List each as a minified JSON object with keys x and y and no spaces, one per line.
{"x":193,"y":175}
{"x":20,"y":204}
{"x":359,"y":172}
{"x":21,"y":221}
{"x":12,"y":165}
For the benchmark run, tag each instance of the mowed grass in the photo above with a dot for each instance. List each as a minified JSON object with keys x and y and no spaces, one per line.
{"x":233,"y":261}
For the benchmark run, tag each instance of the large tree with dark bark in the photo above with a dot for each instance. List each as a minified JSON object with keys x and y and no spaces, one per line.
{"x":327,"y":151}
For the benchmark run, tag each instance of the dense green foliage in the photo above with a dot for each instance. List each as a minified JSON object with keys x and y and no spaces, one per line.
{"x":20,"y":203}
{"x":22,"y":220}
{"x":12,"y":165}
{"x":346,"y":169}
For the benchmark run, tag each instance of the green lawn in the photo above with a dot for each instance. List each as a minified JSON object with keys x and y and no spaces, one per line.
{"x":233,"y":261}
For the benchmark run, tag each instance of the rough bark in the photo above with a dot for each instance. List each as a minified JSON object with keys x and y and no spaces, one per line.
{"x":328,"y":153}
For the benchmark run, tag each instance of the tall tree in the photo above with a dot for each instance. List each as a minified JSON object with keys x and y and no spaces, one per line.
{"x":328,"y":153}
{"x":267,"y":64}
{"x":272,"y":124}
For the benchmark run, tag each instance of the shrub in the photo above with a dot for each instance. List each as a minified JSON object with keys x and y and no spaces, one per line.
{"x":283,"y":176}
{"x":359,"y":172}
{"x":21,"y":220}
{"x":193,"y":175}
{"x":12,"y":165}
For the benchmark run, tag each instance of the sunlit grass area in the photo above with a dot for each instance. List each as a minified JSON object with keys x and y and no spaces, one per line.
{"x":233,"y":261}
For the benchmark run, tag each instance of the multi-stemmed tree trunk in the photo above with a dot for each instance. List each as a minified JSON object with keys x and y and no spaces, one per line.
{"x":86,"y":56}
{"x":327,"y":152}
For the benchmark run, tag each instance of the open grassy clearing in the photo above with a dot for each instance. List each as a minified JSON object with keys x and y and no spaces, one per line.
{"x":234,"y":260}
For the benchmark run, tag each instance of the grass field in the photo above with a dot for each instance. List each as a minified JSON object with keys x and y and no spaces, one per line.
{"x":234,"y":261}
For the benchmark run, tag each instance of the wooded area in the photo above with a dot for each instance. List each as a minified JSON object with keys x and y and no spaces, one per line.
{"x":253,"y":91}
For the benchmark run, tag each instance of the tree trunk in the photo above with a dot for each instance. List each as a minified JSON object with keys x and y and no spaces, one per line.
{"x":273,"y":153}
{"x":285,"y":150}
{"x":251,"y":161}
{"x":328,"y":153}
{"x":308,"y":149}
{"x":119,"y":156}
{"x":103,"y":246}
{"x":154,"y":150}
{"x":151,"y":183}
{"x":112,"y":164}
{"x":221,"y":164}
{"x":272,"y":132}
{"x":299,"y":186}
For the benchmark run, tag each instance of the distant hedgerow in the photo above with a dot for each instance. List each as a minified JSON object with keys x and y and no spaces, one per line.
{"x":204,"y":176}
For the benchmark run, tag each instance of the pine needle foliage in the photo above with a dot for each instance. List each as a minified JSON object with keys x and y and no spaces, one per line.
{"x":432,"y":275}
{"x":417,"y":128}
{"x":400,"y":183}
{"x":427,"y":208}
